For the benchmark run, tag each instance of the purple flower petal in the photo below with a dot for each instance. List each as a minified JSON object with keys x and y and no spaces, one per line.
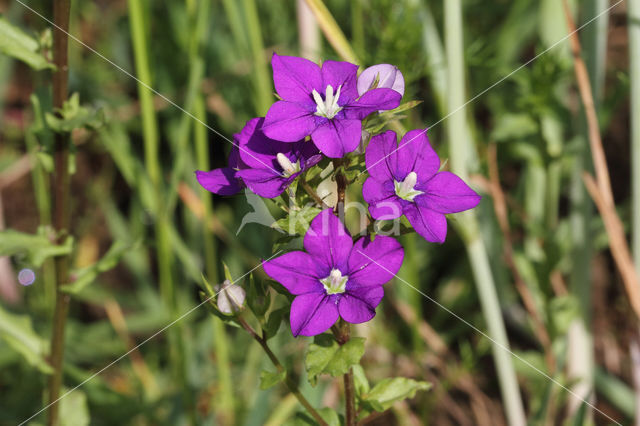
{"x":289,"y":121}
{"x":380,"y":154}
{"x":235,"y":162}
{"x":372,"y":101}
{"x":295,"y":78}
{"x":343,"y":75}
{"x":415,"y":154}
{"x":447,"y":193}
{"x":374,"y":262}
{"x":220,"y":181}
{"x":359,"y":305}
{"x":265,"y":182}
{"x":389,"y":76}
{"x":328,"y":241}
{"x":296,"y":271}
{"x":259,"y":151}
{"x":312,"y":314}
{"x":337,"y":137}
{"x":431,"y":225}
{"x":383,"y":201}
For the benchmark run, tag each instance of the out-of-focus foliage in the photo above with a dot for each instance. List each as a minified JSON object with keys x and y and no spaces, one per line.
{"x":533,"y":118}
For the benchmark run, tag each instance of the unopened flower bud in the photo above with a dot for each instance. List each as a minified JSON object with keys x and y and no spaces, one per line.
{"x":387,"y":77}
{"x":230,"y":298}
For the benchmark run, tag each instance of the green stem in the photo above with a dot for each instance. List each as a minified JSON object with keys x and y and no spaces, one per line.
{"x":357,"y":26}
{"x":458,"y":146}
{"x":164,"y":253}
{"x":41,"y":189}
{"x":293,"y":387}
{"x":580,"y":350}
{"x":62,"y":212}
{"x":224,"y":400}
{"x":634,"y":64}
{"x":261,"y":75}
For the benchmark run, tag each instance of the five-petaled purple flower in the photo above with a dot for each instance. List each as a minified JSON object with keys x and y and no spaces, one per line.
{"x":271,"y":165}
{"x":224,"y":181}
{"x":323,"y":103}
{"x":405,"y":180}
{"x":335,"y":277}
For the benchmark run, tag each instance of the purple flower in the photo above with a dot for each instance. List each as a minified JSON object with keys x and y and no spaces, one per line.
{"x":271,"y":165}
{"x":388,"y":76}
{"x":335,"y":277}
{"x":224,"y":181}
{"x":405,"y":180}
{"x":321,"y":102}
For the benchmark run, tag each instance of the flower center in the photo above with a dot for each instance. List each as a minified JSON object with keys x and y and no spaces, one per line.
{"x":288,"y":168}
{"x":335,"y":283}
{"x":406,"y":189}
{"x":329,"y":106}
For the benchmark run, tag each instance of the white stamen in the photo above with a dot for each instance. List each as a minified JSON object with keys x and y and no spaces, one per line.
{"x":329,"y":106}
{"x":287,"y":166}
{"x":406,"y":189}
{"x":335,"y":283}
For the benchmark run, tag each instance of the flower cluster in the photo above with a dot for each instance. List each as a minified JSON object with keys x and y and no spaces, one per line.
{"x":322,"y":112}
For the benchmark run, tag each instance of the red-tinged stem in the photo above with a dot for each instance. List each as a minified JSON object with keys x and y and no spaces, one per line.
{"x":61,"y":203}
{"x":343,"y":331}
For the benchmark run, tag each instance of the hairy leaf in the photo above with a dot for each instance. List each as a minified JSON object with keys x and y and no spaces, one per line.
{"x":326,"y":356}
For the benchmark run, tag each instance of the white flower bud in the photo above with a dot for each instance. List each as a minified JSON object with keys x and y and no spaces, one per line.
{"x":230,"y":297}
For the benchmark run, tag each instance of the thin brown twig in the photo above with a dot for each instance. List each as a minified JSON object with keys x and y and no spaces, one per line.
{"x":500,"y":207}
{"x":600,"y":188}
{"x":62,"y":212}
{"x":617,"y":243}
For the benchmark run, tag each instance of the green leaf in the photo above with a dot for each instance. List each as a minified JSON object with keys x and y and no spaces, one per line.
{"x":18,"y":333}
{"x":74,"y":410}
{"x":562,"y":311}
{"x":269,"y":379}
{"x":326,"y":356}
{"x":360,"y":380}
{"x":273,"y":323}
{"x":74,"y":116}
{"x":85,"y":276}
{"x":297,"y":221}
{"x":258,"y":297}
{"x":19,"y":45}
{"x":227,"y":273}
{"x":392,"y":390}
{"x":513,"y":126}
{"x":36,"y":247}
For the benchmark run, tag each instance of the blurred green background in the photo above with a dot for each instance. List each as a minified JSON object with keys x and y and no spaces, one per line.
{"x":134,"y":197}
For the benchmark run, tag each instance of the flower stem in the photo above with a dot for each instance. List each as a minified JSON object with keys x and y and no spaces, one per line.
{"x":341,"y":182}
{"x":309,"y":190}
{"x":61,"y":201}
{"x":342,"y":332}
{"x":291,"y":385}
